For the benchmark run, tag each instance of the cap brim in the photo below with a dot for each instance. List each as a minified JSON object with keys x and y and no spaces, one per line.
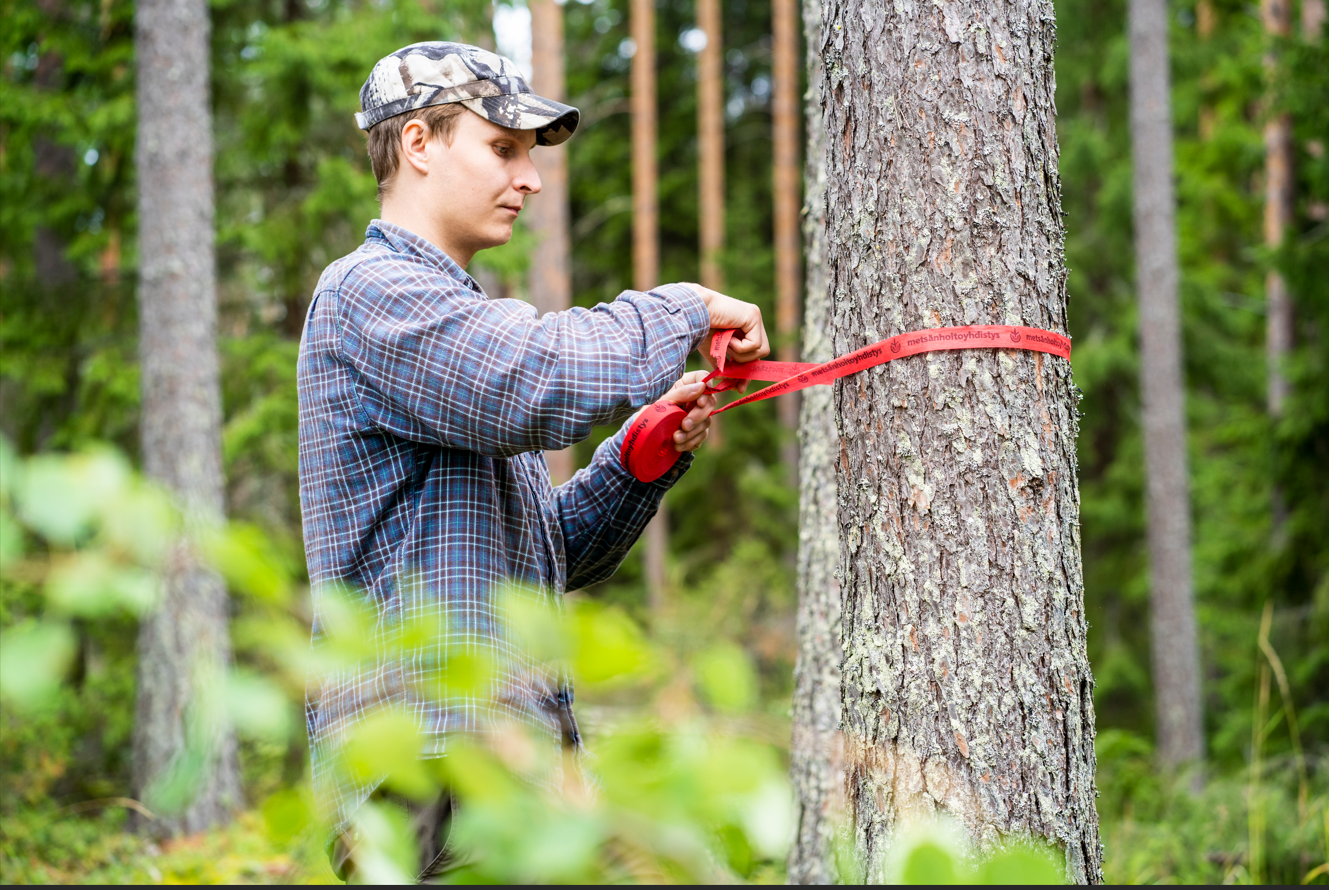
{"x":553,"y":122}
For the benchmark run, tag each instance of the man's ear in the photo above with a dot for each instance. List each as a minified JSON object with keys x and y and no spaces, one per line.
{"x":415,"y":138}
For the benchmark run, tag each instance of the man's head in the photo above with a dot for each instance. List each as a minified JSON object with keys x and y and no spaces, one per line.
{"x":450,"y":132}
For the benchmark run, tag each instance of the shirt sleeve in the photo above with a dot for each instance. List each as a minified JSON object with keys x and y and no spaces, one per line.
{"x":603,"y":509}
{"x":453,"y":368}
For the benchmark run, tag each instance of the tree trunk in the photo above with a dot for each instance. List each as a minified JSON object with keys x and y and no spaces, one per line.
{"x":710,"y":162}
{"x":646,"y":241}
{"x":816,"y":763}
{"x":966,"y":685}
{"x":784,"y":139}
{"x":548,"y":214}
{"x":710,"y":144}
{"x":1176,"y":663}
{"x":184,"y":753}
{"x":1312,"y":19}
{"x":1278,"y":210}
{"x":53,"y":162}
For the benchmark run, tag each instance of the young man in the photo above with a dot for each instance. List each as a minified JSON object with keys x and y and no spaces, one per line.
{"x":425,"y":408}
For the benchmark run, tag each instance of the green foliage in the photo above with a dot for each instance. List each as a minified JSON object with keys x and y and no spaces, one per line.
{"x":1239,"y":459}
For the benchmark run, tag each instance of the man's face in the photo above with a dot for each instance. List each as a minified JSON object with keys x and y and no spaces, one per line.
{"x":480,"y":182}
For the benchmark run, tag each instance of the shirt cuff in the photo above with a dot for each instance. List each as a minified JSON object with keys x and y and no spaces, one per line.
{"x":684,"y":298}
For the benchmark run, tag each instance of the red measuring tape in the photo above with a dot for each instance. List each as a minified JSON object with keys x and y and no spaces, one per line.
{"x":648,"y":448}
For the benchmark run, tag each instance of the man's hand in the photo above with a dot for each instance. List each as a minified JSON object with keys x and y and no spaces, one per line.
{"x":750,"y":343}
{"x":696,"y":426}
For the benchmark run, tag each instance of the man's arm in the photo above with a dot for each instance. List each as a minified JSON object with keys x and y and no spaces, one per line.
{"x":458,"y":370}
{"x":603,"y":509}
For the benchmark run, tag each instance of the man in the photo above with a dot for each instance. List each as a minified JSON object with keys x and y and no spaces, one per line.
{"x":425,"y":408}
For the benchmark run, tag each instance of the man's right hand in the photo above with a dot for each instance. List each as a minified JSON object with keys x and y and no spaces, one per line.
{"x":750,"y":343}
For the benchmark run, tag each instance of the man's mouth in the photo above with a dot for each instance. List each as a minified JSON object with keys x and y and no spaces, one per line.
{"x":515,"y":210}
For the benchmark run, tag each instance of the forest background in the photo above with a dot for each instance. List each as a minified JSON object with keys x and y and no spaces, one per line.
{"x":294,"y":191}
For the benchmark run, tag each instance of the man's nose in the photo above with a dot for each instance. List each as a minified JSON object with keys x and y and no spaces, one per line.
{"x":527,"y":179}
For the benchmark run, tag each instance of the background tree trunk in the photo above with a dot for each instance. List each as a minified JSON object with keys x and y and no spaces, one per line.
{"x":1176,"y":663}
{"x":548,"y":214}
{"x":184,"y":753}
{"x":784,"y":139}
{"x":710,"y":144}
{"x":646,"y":241}
{"x":1279,"y":192}
{"x":816,"y":763}
{"x":967,"y":688}
{"x":710,"y":162}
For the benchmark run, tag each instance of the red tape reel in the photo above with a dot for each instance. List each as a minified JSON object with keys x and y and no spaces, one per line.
{"x":648,"y":448}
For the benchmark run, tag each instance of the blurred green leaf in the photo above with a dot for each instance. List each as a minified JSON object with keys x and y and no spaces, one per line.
{"x":257,"y":707}
{"x":608,"y":645}
{"x":768,"y":817}
{"x":386,"y":747}
{"x":541,"y":631}
{"x":90,"y":584}
{"x":9,"y":470}
{"x":287,"y":813}
{"x":726,"y":678}
{"x":251,"y":564}
{"x":931,"y":863}
{"x":142,"y":522}
{"x":33,"y":660}
{"x":385,"y":851}
{"x":61,"y":495}
{"x":11,"y":540}
{"x":1022,"y":864}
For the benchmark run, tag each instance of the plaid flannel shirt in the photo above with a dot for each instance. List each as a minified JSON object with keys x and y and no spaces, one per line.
{"x":424,"y":410}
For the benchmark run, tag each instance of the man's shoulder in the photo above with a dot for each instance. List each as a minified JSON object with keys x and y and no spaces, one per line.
{"x":376,"y":272}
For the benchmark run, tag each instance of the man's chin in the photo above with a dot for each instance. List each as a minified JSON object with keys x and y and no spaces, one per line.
{"x":497,"y":236}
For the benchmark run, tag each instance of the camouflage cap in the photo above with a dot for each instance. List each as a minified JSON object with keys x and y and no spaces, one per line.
{"x":440,"y":73}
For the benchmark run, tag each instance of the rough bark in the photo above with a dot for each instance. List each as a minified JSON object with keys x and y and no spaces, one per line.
{"x":180,"y":742}
{"x":966,"y":684}
{"x":548,"y":213}
{"x":1175,"y":659}
{"x":646,"y":241}
{"x":816,"y":763}
{"x":784,"y":144}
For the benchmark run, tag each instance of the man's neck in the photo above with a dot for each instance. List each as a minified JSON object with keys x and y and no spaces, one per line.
{"x":409,"y":218}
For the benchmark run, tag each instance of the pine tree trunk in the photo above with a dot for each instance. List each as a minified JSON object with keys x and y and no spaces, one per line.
{"x":710,"y":144}
{"x":547,"y":214}
{"x":1176,"y":663}
{"x":1279,"y":205}
{"x":184,"y":753}
{"x":784,"y":144}
{"x":646,"y":243}
{"x":816,"y":764}
{"x":1278,"y":210}
{"x":710,"y":163}
{"x":967,"y":688}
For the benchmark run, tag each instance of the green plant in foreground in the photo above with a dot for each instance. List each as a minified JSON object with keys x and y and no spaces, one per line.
{"x":675,"y":790}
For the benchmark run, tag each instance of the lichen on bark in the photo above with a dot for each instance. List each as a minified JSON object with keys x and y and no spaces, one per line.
{"x":966,"y":684}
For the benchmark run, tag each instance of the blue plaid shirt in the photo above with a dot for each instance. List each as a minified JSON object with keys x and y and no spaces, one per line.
{"x":424,"y":410}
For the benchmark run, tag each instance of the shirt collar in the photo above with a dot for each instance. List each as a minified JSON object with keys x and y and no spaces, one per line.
{"x":406,"y":242}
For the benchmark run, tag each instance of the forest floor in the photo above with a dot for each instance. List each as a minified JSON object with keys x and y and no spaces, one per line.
{"x":46,"y":849}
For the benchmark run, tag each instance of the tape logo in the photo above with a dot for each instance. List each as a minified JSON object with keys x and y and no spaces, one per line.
{"x":895,"y":345}
{"x":1015,"y":336}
